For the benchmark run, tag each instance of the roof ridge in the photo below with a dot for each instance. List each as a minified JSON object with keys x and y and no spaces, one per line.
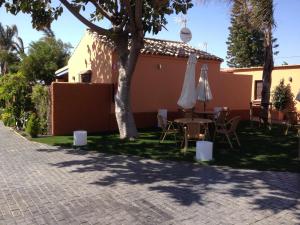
{"x":156,"y":46}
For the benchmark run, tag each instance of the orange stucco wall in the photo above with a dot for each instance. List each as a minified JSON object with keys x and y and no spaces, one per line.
{"x":80,"y":107}
{"x":279,"y":72}
{"x":154,"y":87}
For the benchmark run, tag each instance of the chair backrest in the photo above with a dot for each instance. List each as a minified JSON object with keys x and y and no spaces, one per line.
{"x":256,"y":109}
{"x":291,"y":117}
{"x":162,"y":123}
{"x":222,"y":116}
{"x":233,"y":123}
{"x":195,"y":131}
{"x":218,"y":109}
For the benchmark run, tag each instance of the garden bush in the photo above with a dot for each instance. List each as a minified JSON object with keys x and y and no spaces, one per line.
{"x":283,"y":98}
{"x":15,"y":98}
{"x":41,"y":101}
{"x":33,"y":126}
{"x":7,"y":119}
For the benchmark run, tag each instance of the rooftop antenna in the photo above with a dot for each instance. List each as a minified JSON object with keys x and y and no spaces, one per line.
{"x":185,"y":33}
{"x":205,"y":46}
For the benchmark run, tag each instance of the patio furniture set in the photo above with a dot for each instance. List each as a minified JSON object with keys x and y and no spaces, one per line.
{"x":291,"y":119}
{"x":195,"y":126}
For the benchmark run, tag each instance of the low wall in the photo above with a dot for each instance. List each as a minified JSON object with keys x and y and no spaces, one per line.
{"x":233,"y":91}
{"x":77,"y":106}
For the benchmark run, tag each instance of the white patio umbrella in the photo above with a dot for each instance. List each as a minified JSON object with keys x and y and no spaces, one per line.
{"x":188,"y":95}
{"x":203,"y":89}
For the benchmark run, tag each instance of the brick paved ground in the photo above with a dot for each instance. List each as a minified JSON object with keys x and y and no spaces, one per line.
{"x":44,"y":185}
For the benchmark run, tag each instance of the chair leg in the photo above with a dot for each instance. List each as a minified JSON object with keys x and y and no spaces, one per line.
{"x":228,"y":139}
{"x":237,"y":139}
{"x":161,"y":136}
{"x":286,"y":130}
{"x":164,"y":136}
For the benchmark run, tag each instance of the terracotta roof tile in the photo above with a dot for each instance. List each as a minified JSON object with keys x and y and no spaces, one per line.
{"x":167,"y":48}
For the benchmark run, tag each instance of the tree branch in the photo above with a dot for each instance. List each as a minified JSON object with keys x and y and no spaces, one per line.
{"x":106,"y":14}
{"x":138,"y":15}
{"x":82,"y":19}
{"x":129,"y":13}
{"x":116,"y":7}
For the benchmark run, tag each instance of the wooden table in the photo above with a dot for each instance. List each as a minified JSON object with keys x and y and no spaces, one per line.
{"x":185,"y":121}
{"x":205,"y":114}
{"x":193,"y":120}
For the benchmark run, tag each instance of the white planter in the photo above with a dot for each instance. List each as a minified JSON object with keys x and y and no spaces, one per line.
{"x":80,"y":138}
{"x":204,"y":150}
{"x":164,"y":114}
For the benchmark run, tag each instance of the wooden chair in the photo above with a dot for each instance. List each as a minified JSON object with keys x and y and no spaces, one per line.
{"x":217,"y":110}
{"x":168,"y":128}
{"x":194,"y":132}
{"x":229,"y":129}
{"x":220,"y":120}
{"x":255,"y":113}
{"x":292,"y":120}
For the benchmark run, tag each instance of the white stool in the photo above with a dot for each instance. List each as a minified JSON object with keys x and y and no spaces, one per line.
{"x":80,"y":138}
{"x":164,"y":114}
{"x":204,"y":150}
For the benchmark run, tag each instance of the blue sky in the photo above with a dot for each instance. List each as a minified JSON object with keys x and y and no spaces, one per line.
{"x":208,"y":23}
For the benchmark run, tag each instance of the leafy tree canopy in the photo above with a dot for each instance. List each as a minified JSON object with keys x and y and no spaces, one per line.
{"x":45,"y":57}
{"x":245,"y":44}
{"x":120,"y":13}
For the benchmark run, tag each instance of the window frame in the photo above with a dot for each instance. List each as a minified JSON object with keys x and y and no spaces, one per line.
{"x":255,"y":89}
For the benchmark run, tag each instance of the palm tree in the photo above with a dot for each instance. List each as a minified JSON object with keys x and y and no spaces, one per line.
{"x":261,"y":15}
{"x":263,"y":18}
{"x":11,"y":45}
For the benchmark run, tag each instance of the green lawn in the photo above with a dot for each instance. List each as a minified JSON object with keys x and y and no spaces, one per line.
{"x":261,"y":149}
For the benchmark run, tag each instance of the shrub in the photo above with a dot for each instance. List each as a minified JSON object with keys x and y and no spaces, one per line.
{"x":14,"y":96}
{"x":40,"y":99}
{"x":33,"y":126}
{"x":7,"y":119}
{"x":283,"y":98}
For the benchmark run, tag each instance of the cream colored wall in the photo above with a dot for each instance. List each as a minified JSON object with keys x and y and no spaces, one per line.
{"x":91,"y":54}
{"x":278,"y":74}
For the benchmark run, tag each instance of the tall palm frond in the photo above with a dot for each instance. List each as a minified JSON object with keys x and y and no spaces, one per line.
{"x":19,"y":46}
{"x":10,"y":44}
{"x":262,"y":14}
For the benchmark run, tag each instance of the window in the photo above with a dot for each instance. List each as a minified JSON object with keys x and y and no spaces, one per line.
{"x":85,"y":76}
{"x":258,"y":89}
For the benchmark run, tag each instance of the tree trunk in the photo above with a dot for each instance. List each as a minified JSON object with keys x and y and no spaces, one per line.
{"x":127,"y":62}
{"x":266,"y":77}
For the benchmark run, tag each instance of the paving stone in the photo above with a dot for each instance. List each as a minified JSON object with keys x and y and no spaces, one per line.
{"x":46,"y":185}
